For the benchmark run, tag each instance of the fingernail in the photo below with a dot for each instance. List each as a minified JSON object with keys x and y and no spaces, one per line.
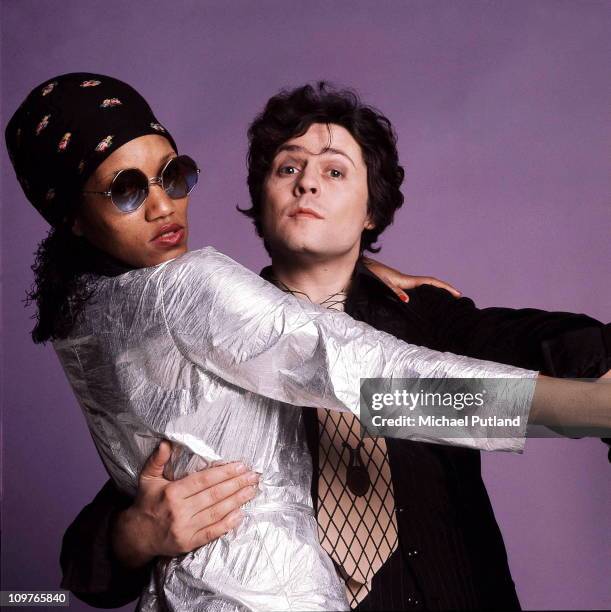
{"x":240,"y":467}
{"x":403,"y":297}
{"x":253,"y":477}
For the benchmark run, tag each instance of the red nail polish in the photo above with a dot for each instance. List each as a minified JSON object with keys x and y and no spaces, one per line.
{"x":403,"y":297}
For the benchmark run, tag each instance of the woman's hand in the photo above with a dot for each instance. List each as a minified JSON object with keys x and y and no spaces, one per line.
{"x":397,"y":281}
{"x":169,"y":518}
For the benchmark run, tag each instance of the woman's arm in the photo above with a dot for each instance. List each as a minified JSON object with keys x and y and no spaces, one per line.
{"x":568,"y":403}
{"x":229,"y":321}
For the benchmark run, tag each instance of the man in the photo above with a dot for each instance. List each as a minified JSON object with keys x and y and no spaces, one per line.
{"x":408,"y":524}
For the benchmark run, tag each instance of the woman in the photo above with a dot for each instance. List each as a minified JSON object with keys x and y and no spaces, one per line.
{"x":191,"y":347}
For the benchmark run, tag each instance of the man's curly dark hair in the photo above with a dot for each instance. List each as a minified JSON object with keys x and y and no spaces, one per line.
{"x":291,"y":112}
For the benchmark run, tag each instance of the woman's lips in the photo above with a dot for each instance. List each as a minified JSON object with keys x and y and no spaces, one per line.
{"x":169,"y":236}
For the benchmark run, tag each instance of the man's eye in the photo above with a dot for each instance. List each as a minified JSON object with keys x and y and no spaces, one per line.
{"x":287,"y":170}
{"x":333,"y":173}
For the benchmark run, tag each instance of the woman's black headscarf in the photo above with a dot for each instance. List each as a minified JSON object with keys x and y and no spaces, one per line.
{"x":65,"y":129}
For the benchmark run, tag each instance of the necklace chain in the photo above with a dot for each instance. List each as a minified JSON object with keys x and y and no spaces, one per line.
{"x":335,"y":301}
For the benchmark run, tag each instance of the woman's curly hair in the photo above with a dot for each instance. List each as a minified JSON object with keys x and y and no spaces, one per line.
{"x":291,"y":112}
{"x":60,"y":288}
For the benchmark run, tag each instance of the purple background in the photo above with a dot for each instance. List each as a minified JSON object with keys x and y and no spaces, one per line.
{"x":502,"y":114}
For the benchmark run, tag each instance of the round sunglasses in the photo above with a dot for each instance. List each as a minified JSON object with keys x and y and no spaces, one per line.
{"x":130,"y":187}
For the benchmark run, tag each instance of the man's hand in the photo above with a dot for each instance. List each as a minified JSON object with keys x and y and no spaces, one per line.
{"x":397,"y":281}
{"x":169,"y":518}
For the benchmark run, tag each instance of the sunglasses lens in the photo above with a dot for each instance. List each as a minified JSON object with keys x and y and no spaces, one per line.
{"x":179,"y":177}
{"x":129,"y":190}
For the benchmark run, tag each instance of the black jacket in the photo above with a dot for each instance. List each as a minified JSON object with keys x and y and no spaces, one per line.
{"x":451,"y":553}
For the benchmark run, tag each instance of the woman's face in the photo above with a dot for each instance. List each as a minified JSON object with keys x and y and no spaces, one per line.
{"x":155,"y":232}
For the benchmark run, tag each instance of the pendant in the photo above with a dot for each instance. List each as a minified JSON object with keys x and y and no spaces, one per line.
{"x":357,"y":478}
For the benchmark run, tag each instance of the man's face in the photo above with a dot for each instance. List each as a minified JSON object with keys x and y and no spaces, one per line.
{"x":315,"y":196}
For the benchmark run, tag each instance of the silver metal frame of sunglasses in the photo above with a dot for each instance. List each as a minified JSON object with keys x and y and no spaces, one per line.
{"x":155,"y":180}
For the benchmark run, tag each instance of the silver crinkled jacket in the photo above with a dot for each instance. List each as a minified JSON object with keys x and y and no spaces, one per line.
{"x":203,"y":352}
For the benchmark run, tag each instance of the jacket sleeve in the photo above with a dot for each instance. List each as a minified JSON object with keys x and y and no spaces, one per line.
{"x":559,"y":344}
{"x":579,"y":353}
{"x":230,"y":322}
{"x":89,"y":568}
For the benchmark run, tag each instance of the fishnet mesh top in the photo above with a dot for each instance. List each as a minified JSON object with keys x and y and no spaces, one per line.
{"x":357,"y":525}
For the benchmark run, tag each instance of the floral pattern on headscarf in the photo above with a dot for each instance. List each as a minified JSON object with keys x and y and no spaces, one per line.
{"x":104,"y":144}
{"x":47,"y":89}
{"x":44,"y":122}
{"x":110,"y":102}
{"x":63,"y":143}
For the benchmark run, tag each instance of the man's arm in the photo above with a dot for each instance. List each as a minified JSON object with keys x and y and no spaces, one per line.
{"x":559,"y":344}
{"x":107,"y":551}
{"x":556,"y":343}
{"x":89,"y":567}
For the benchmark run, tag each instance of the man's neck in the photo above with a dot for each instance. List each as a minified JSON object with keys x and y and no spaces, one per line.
{"x":318,"y":279}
